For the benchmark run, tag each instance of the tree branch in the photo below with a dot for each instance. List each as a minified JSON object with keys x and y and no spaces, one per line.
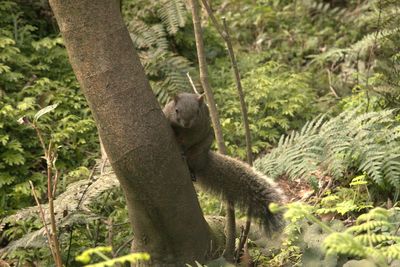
{"x":224,"y":33}
{"x":230,"y":211}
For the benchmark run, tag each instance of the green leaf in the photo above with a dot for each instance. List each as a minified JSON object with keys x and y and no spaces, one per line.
{"x":13,"y":158}
{"x":15,"y":145}
{"x":6,"y":179}
{"x":44,"y":111}
{"x":6,"y":41}
{"x":27,"y":103}
{"x":346,"y":206}
{"x":22,"y":188}
{"x":359,"y":180}
{"x":4,"y":68}
{"x":4,"y":139}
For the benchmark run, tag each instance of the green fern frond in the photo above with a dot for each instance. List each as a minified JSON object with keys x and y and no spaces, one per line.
{"x":392,"y":252}
{"x":173,"y":15}
{"x":77,"y":198}
{"x":344,"y":243}
{"x":375,"y":239}
{"x":146,"y":36}
{"x":166,"y":70}
{"x":371,"y":225}
{"x":332,"y":55}
{"x":377,"y":213}
{"x":369,"y":40}
{"x":368,"y":141}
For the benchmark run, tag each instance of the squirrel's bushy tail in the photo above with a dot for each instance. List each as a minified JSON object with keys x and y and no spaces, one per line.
{"x":247,"y":188}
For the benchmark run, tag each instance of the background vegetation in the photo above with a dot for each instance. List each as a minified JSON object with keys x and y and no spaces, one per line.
{"x":322,"y":82}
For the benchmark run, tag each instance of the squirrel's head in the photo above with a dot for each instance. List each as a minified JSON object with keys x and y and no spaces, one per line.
{"x":187,"y":108}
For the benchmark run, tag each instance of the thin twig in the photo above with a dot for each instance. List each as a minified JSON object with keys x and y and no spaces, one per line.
{"x":42,"y":217}
{"x":71,"y":229}
{"x":57,"y":175}
{"x":245,"y":118}
{"x":51,"y":210}
{"x":49,"y":156}
{"x":244,"y":236}
{"x":103,"y":165}
{"x":239,"y":87}
{"x":230,"y":239}
{"x":110,"y":234}
{"x":40,"y":139}
{"x":322,"y":192}
{"x":230,"y":229}
{"x":371,"y":51}
{"x":104,"y":156}
{"x":127,"y":242}
{"x":217,"y":26}
{"x":224,"y":33}
{"x":192,"y":84}
{"x":330,"y":84}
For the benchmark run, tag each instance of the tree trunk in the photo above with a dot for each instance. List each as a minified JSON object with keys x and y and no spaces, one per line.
{"x":163,"y":209}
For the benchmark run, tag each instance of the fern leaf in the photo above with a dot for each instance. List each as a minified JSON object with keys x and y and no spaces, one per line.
{"x":173,"y":14}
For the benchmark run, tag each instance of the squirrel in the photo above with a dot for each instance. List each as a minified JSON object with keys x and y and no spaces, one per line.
{"x":217,"y":173}
{"x":190,"y":120}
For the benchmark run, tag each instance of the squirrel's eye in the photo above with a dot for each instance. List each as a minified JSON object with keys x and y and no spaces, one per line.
{"x":177,"y":110}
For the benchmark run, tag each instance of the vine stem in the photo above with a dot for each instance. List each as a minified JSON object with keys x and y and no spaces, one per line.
{"x":42,"y":217}
{"x":192,"y":84}
{"x":230,"y":211}
{"x":71,"y":229}
{"x":371,"y":52}
{"x":53,"y":238}
{"x":224,"y":33}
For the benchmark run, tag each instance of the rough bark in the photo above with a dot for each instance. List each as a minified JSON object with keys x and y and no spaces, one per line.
{"x":163,"y":209}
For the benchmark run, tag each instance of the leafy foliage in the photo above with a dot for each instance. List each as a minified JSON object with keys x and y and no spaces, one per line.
{"x":173,"y":15}
{"x":370,"y":63}
{"x":152,"y":25}
{"x":365,"y":141}
{"x":347,"y":200}
{"x":88,"y":208}
{"x":350,"y":47}
{"x":296,"y":58}
{"x":374,"y":236}
{"x":86,"y":256}
{"x":277,"y":99}
{"x":36,"y":73}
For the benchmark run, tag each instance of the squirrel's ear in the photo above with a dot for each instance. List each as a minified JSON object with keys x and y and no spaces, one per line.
{"x":176,"y":98}
{"x":201,"y":99}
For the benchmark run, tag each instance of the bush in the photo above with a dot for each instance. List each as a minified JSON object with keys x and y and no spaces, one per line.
{"x":278,"y":100}
{"x":35,"y":73}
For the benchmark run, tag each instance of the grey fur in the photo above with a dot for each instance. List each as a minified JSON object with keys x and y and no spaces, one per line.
{"x":196,"y":140}
{"x":216,"y":173}
{"x":247,"y":188}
